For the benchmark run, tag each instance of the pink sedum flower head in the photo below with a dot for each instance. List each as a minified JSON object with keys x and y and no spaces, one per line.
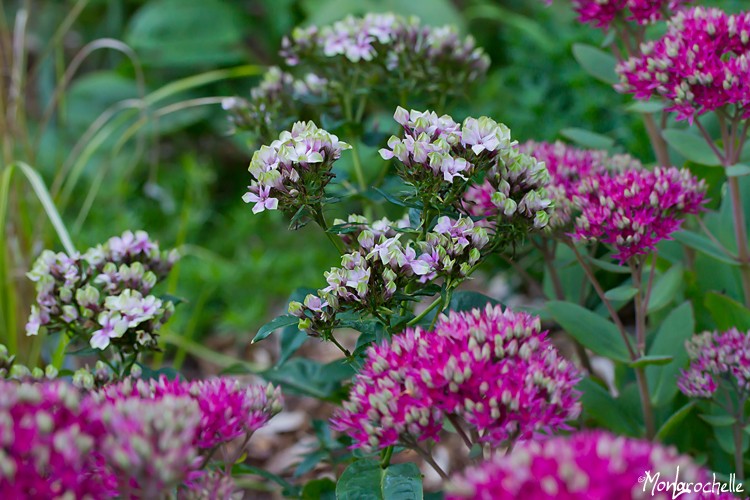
{"x":494,"y":369}
{"x":150,"y":443}
{"x":227,"y":409}
{"x":50,"y":443}
{"x":636,"y":209}
{"x":590,"y":464}
{"x":700,"y":64}
{"x":717,"y":357}
{"x":567,"y":166}
{"x":603,"y":13}
{"x":294,"y":169}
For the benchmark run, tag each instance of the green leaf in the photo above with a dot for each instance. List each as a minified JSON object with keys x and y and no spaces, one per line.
{"x":366,"y":480}
{"x":590,"y":329}
{"x":608,"y":266}
{"x":175,"y":33}
{"x":718,"y":420}
{"x":704,"y":245}
{"x":319,"y":489}
{"x":597,"y":63}
{"x":665,"y":287}
{"x":466,"y":300}
{"x":291,"y":338}
{"x":587,"y":139}
{"x":397,"y":199}
{"x":726,"y":312}
{"x":693,"y":147}
{"x":599,"y":405}
{"x":645,"y":107}
{"x":624,"y":292}
{"x":670,"y":339}
{"x":303,"y":376}
{"x":737,"y":170}
{"x":273,"y":325}
{"x":651,"y":361}
{"x":289,"y":490}
{"x":674,"y":421}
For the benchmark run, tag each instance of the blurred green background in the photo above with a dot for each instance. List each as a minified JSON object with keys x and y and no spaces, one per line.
{"x":174,"y":169}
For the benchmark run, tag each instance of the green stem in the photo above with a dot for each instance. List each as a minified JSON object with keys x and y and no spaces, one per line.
{"x":341,"y":348}
{"x":319,"y":218}
{"x":460,"y":430}
{"x":739,"y":459}
{"x":386,"y":459}
{"x":424,"y":313}
{"x":740,"y":231}
{"x":640,"y":334}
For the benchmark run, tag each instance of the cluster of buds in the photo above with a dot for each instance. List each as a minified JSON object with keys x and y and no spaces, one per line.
{"x":227,"y":410}
{"x":135,"y":438}
{"x":11,"y":369}
{"x":700,"y":65}
{"x":471,"y":165}
{"x":395,"y":52}
{"x":293,"y":170}
{"x":636,"y":209}
{"x":591,"y":464}
{"x":50,"y":443}
{"x":717,"y":357}
{"x":603,"y":13}
{"x":494,"y":369}
{"x":273,"y":103}
{"x":150,"y":443}
{"x":104,"y":294}
{"x":382,"y":264}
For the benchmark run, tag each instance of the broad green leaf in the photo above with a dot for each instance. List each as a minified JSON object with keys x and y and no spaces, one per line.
{"x":674,"y":421}
{"x":645,"y":107}
{"x":726,"y":312}
{"x":704,"y":245}
{"x":466,"y":300}
{"x":180,"y":33}
{"x":665,"y":287}
{"x":590,"y":329}
{"x":651,"y":361}
{"x":303,"y":376}
{"x":597,"y":63}
{"x":599,"y":405}
{"x":608,"y":266}
{"x":669,"y":340}
{"x":366,"y":480}
{"x":623,"y":292}
{"x":693,"y":147}
{"x":738,"y":170}
{"x":718,"y":420}
{"x":587,"y":139}
{"x":273,"y":325}
{"x":319,"y":489}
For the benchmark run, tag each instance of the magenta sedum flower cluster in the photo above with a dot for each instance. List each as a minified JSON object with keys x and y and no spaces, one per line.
{"x":700,"y":65}
{"x":567,"y":166}
{"x":494,"y":369}
{"x":590,"y":464}
{"x":136,"y":438}
{"x":103,"y":295}
{"x":604,"y":13}
{"x":636,"y":209}
{"x":717,"y":357}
